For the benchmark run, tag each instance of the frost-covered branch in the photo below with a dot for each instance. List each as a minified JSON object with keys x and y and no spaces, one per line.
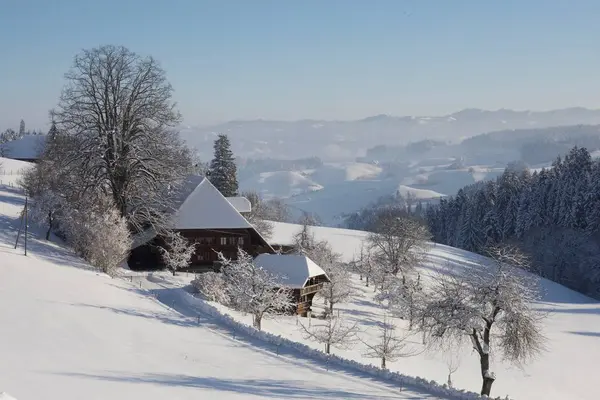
{"x":333,"y":331}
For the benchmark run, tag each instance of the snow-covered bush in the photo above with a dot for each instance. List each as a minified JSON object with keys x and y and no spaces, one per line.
{"x":100,"y":236}
{"x":212,"y":286}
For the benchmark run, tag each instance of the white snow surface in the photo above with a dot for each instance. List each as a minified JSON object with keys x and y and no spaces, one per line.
{"x":6,"y":396}
{"x":294,"y":269}
{"x":566,"y":370}
{"x":27,"y":147}
{"x":70,"y":332}
{"x":240,"y":203}
{"x":206,"y":208}
{"x":418,"y":194}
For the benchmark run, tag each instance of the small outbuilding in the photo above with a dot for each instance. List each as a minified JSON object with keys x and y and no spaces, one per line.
{"x":297,"y":272}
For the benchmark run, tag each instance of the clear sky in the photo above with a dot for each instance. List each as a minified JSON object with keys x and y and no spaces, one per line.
{"x":331,"y":59}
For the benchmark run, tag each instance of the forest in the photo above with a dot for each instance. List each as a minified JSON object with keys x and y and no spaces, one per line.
{"x":552,"y":214}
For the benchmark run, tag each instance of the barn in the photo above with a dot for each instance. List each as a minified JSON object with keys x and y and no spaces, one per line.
{"x":208,"y":219}
{"x":297,"y":272}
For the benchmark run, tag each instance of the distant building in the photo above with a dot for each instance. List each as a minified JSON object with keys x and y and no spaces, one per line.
{"x":27,"y":148}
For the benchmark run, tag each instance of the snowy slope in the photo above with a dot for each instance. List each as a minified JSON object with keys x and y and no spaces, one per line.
{"x":11,"y":170}
{"x":566,"y":371}
{"x":280,"y":184}
{"x":69,"y":332}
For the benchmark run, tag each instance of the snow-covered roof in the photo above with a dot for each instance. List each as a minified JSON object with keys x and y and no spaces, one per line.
{"x":295,"y":269}
{"x":240,"y":203}
{"x":207,"y":208}
{"x":29,"y":147}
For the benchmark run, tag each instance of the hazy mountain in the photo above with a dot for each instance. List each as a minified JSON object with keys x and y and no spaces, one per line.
{"x":345,"y":140}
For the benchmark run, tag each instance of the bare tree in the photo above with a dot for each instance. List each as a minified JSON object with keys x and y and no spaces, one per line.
{"x":178,"y":251}
{"x":253,"y":289}
{"x":43,"y":184}
{"x":278,"y":211}
{"x":339,"y":288}
{"x":363,"y":265}
{"x":398,"y":243}
{"x":403,"y":296}
{"x":491,"y":305}
{"x":389,"y":345}
{"x":452,"y":359}
{"x":117,"y":107}
{"x":333,"y":331}
{"x":259,"y":214}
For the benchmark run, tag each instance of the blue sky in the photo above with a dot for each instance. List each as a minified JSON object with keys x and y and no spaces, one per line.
{"x":332,"y":59}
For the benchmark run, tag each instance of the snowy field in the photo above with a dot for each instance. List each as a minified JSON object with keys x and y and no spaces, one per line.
{"x":70,"y":332}
{"x":565,"y":371}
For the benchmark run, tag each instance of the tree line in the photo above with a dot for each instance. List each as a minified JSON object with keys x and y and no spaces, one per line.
{"x":553,"y":215}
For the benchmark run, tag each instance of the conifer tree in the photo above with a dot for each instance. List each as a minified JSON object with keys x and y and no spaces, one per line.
{"x":22,"y":129}
{"x":222,"y":172}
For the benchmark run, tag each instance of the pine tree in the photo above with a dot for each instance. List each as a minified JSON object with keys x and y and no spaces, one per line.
{"x":22,"y":129}
{"x":53,"y":131}
{"x":222,"y":171}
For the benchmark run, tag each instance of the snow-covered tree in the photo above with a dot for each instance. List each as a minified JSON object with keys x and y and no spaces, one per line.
{"x":43,"y":184}
{"x":222,"y":172}
{"x":363,"y":264}
{"x":398,"y":244}
{"x":130,"y":149}
{"x":99,"y":235}
{"x":253,"y":289}
{"x":259,"y":214}
{"x":178,"y":251}
{"x":333,"y":331}
{"x":339,"y":289}
{"x":389,"y":345}
{"x":402,"y":297}
{"x":491,"y":305}
{"x":213,"y":286}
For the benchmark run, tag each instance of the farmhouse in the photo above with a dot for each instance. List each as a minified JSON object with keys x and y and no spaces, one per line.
{"x":297,"y":272}
{"x":208,"y":219}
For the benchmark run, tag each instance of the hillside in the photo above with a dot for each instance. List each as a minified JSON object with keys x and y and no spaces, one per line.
{"x":69,"y":332}
{"x":572,"y":327}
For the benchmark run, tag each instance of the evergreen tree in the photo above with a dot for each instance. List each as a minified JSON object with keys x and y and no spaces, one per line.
{"x":22,"y":129}
{"x":222,"y":171}
{"x":53,"y":131}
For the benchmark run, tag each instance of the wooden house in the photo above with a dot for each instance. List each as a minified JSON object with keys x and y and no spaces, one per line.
{"x":297,"y":272}
{"x":208,"y":219}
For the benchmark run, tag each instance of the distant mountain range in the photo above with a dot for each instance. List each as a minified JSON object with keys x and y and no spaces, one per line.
{"x":346,"y":140}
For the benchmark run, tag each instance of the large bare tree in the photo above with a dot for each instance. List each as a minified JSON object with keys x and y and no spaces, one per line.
{"x":117,"y":107}
{"x":398,"y":243}
{"x":493,"y":305}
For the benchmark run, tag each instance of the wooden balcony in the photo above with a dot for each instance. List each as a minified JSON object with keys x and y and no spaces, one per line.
{"x":311,"y":289}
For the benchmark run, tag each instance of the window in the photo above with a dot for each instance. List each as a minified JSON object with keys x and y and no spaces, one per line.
{"x":223,"y":241}
{"x":241,"y":241}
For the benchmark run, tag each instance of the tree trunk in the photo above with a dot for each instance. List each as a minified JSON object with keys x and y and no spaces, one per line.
{"x":367,"y":280}
{"x":327,"y":347}
{"x":256,"y":320}
{"x":49,"y":225}
{"x":330,"y":308}
{"x":383,"y":362}
{"x":486,"y":374}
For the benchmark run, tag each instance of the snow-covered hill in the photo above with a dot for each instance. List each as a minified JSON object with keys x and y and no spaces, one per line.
{"x":567,"y":370}
{"x":72,"y":333}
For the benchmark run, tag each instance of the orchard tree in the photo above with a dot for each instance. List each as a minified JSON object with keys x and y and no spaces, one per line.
{"x":491,"y":305}
{"x":334,"y":331}
{"x":389,"y":345}
{"x":177,"y":252}
{"x":117,"y":109}
{"x":339,"y":288}
{"x":253,"y":289}
{"x":222,"y":172}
